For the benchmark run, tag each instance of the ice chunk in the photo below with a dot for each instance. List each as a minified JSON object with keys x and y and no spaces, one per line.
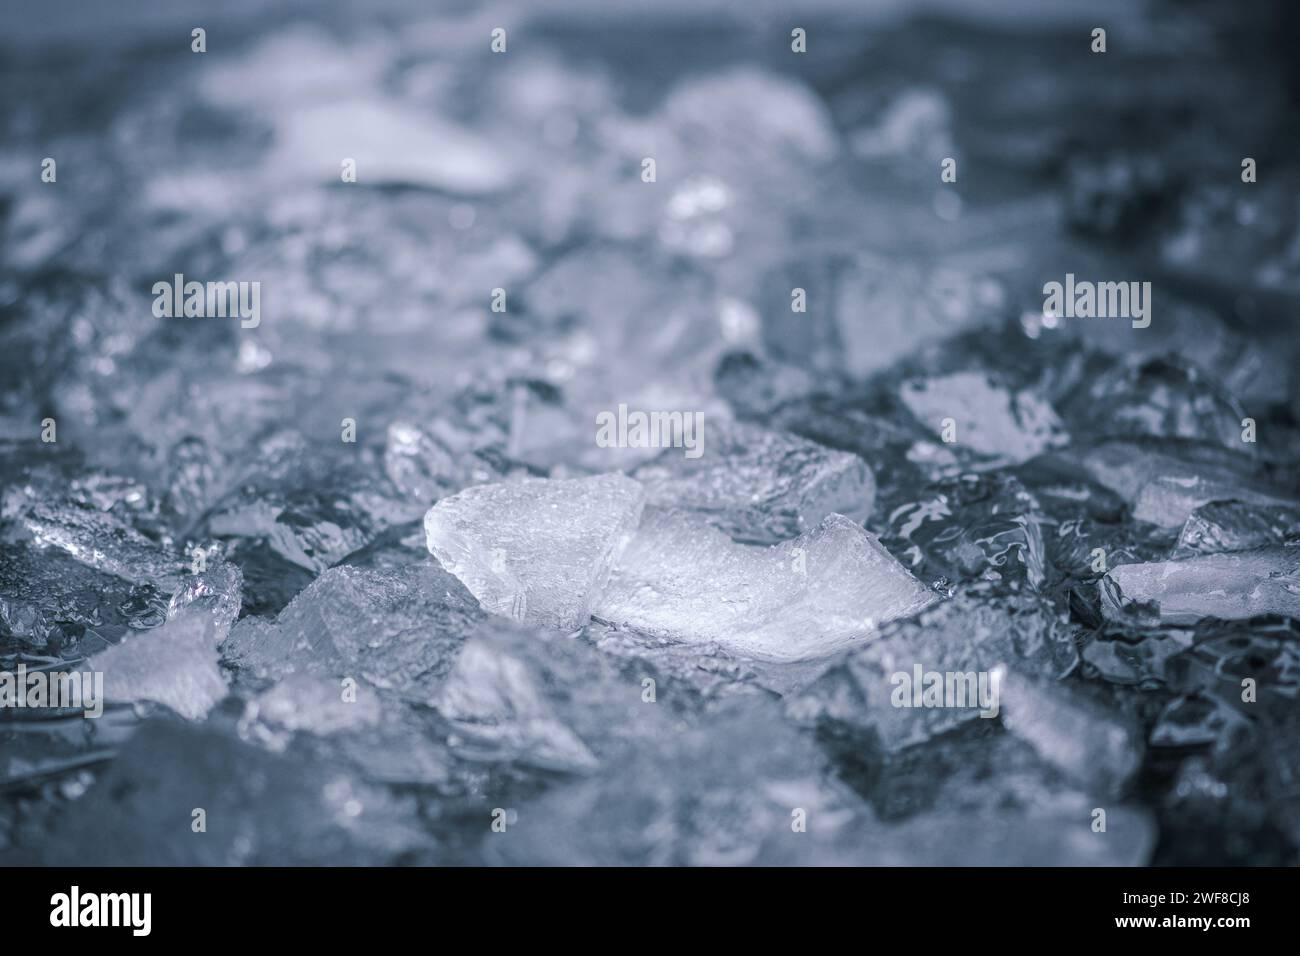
{"x":216,"y":591}
{"x":989,"y":419}
{"x":1123,"y":656}
{"x":1195,"y":720}
{"x":311,"y":505}
{"x":397,"y":628}
{"x":889,"y":308}
{"x":965,"y":641}
{"x":101,"y":540}
{"x":1094,"y":746}
{"x":1236,"y":526}
{"x":760,"y":486}
{"x":1161,"y":397}
{"x":48,"y":599}
{"x":765,"y":110}
{"x":422,"y":467}
{"x":537,"y":551}
{"x":496,"y":701}
{"x":549,"y":701}
{"x":1231,"y":586}
{"x":682,"y":580}
{"x":1165,"y":481}
{"x":175,"y":665}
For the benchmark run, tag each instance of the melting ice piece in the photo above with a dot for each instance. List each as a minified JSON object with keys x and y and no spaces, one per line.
{"x":1091,"y":745}
{"x":398,"y":628}
{"x":880,"y":689}
{"x":682,"y":580}
{"x":1010,"y":426}
{"x":175,"y":665}
{"x":760,"y":486}
{"x":536,"y":551}
{"x":1230,"y":586}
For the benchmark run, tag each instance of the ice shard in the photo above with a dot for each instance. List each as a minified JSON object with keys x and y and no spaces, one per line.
{"x":991,"y":420}
{"x":760,"y":486}
{"x":1095,"y":746}
{"x":536,"y":551}
{"x":682,"y":580}
{"x":1231,"y":586}
{"x":175,"y":665}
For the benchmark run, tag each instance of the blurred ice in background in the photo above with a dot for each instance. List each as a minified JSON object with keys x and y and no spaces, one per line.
{"x":774,"y":171}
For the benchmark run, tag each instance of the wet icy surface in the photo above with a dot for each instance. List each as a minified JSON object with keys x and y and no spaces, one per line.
{"x":478,"y":634}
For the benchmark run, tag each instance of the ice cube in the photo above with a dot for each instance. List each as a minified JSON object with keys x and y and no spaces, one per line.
{"x":1011,"y":426}
{"x":536,"y":551}
{"x":682,"y":580}
{"x":760,"y":486}
{"x":1230,"y":586}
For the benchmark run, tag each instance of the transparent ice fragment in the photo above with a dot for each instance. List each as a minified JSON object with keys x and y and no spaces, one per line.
{"x":760,"y":486}
{"x":536,"y":551}
{"x":1231,"y":586}
{"x":974,"y":526}
{"x":216,"y":591}
{"x":48,"y":598}
{"x":391,"y":145}
{"x":397,"y":628}
{"x":1165,"y":481}
{"x":682,"y":580}
{"x":175,"y":665}
{"x":1236,"y":526}
{"x":547,"y":701}
{"x":880,"y":688}
{"x":990,"y":420}
{"x":1094,"y":746}
{"x":101,"y":540}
